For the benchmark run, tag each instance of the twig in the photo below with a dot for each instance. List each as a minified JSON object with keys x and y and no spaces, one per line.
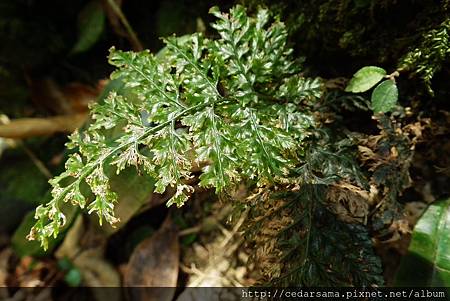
{"x":39,"y":164}
{"x":188,"y":231}
{"x":209,"y":223}
{"x":136,"y":44}
{"x":235,"y":228}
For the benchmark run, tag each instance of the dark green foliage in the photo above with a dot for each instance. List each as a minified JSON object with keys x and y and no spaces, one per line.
{"x":389,"y":166}
{"x":234,"y":107}
{"x":384,"y":96}
{"x":329,"y":159}
{"x":337,"y":37}
{"x":299,"y":241}
{"x":323,"y":251}
{"x":427,"y":262}
{"x":430,"y":55}
{"x":91,"y":23}
{"x":15,"y":198}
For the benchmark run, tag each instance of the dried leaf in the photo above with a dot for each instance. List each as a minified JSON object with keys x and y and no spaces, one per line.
{"x":80,"y":96}
{"x":349,"y":202}
{"x":154,"y":264}
{"x":4,"y":259}
{"x":47,"y":94}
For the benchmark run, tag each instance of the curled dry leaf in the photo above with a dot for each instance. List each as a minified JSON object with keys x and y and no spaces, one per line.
{"x":154,"y":265}
{"x":349,"y":202}
{"x":80,"y":96}
{"x":63,"y":100}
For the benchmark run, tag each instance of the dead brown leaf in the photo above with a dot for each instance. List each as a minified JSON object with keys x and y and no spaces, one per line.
{"x":413,"y":211}
{"x":34,"y":273}
{"x":63,"y":100}
{"x":349,"y":202}
{"x":4,"y":259}
{"x":336,"y":83}
{"x":154,"y":264}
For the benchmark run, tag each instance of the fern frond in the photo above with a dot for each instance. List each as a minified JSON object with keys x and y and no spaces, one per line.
{"x":300,"y":243}
{"x":214,"y":102}
{"x":430,"y":55}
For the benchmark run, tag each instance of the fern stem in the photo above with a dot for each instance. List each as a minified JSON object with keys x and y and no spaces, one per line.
{"x":261,"y":143}
{"x":173,"y":151}
{"x":217,"y":146}
{"x":137,"y":45}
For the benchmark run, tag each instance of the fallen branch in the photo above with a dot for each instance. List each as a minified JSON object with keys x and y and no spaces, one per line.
{"x":31,"y":127}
